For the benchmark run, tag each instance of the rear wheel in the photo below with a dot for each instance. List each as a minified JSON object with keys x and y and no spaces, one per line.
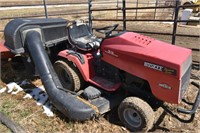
{"x":136,"y":114}
{"x":69,"y":75}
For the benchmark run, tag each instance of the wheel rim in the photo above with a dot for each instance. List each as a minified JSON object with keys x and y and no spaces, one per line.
{"x":64,"y":77}
{"x":132,"y":117}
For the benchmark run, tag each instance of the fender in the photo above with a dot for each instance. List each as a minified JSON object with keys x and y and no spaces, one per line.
{"x":4,"y":52}
{"x":84,"y":68}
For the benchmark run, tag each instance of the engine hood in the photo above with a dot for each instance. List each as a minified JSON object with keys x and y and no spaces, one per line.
{"x":133,"y":45}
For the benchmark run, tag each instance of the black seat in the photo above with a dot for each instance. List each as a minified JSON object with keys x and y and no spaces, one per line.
{"x":82,"y":38}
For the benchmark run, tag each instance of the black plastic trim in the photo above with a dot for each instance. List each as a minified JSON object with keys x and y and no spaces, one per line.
{"x":196,"y":103}
{"x":78,"y":55}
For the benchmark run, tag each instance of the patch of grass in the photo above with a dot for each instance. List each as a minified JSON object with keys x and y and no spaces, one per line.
{"x":6,"y":106}
{"x":25,"y":112}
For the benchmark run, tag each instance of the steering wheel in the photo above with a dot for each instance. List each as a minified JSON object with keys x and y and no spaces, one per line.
{"x":107,"y":30}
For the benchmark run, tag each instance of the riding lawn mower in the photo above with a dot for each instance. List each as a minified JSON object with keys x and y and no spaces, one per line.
{"x":86,"y":76}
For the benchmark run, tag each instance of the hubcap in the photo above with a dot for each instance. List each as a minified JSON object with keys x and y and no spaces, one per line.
{"x":65,"y":77}
{"x":132,"y":117}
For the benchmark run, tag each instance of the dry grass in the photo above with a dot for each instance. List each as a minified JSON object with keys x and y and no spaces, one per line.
{"x":24,"y":2}
{"x":30,"y":116}
{"x":1,"y":36}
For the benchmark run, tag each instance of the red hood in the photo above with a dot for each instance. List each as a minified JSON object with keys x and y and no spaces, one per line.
{"x":146,"y":48}
{"x":157,"y":62}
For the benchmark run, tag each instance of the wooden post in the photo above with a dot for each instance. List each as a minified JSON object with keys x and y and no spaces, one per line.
{"x":14,"y":127}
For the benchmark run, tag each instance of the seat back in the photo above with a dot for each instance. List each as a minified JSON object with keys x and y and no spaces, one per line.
{"x":80,"y":37}
{"x":77,"y":31}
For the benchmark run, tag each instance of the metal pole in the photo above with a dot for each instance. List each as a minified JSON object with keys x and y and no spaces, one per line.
{"x":117,"y":10}
{"x":136,"y":11}
{"x":174,"y":10}
{"x":155,"y":9}
{"x":124,"y":14}
{"x":45,"y":8}
{"x":90,"y":14}
{"x":175,"y":22}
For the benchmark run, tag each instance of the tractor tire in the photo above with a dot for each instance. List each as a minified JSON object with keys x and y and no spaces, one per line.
{"x":69,"y":76}
{"x":136,"y":114}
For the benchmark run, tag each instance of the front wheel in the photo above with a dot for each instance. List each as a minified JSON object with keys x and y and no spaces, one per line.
{"x":136,"y":114}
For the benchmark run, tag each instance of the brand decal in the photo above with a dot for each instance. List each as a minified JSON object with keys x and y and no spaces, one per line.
{"x":153,"y":66}
{"x":169,"y":71}
{"x":165,"y":86}
{"x":110,"y":52}
{"x":161,"y":68}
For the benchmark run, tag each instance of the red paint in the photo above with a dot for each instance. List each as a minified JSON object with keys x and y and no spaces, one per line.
{"x":4,"y":52}
{"x":130,"y":50}
{"x":85,"y":69}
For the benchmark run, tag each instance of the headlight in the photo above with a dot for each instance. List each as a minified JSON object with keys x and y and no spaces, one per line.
{"x":186,"y":65}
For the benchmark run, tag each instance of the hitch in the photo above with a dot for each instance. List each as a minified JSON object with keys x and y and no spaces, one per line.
{"x":195,"y":104}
